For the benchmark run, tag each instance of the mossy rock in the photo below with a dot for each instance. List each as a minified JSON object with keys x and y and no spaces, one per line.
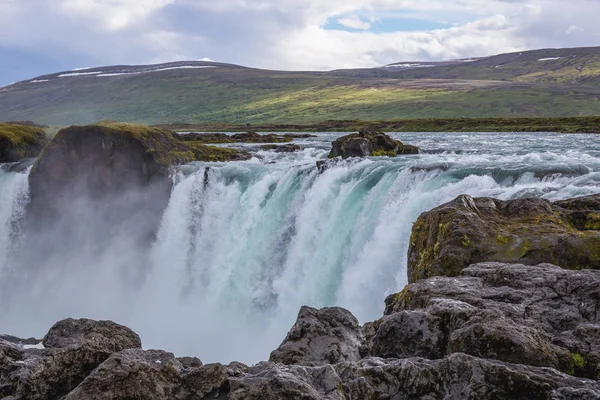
{"x":108,"y":159}
{"x":369,"y":143}
{"x":20,"y":141}
{"x":468,"y":230}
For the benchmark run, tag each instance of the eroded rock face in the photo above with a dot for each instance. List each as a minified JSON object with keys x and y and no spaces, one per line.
{"x":534,"y":315}
{"x":325,"y":336}
{"x":20,"y":141}
{"x":369,"y":143}
{"x":530,"y":231}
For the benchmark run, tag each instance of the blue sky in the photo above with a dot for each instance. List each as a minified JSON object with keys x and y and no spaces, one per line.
{"x":280,"y":34}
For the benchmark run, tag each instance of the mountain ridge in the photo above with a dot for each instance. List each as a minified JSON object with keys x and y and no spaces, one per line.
{"x":544,"y":83}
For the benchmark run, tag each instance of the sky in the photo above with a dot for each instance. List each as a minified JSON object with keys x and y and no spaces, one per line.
{"x":41,"y":36}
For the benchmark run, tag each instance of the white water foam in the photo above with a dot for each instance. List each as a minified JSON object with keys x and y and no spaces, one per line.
{"x":14,"y":195}
{"x":243,"y":245}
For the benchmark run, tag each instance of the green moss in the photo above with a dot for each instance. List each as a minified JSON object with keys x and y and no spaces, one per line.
{"x":578,"y":360}
{"x":384,"y":153}
{"x":466,"y":240}
{"x":20,"y":141}
{"x":202,"y":152}
{"x":502,"y":239}
{"x":592,"y":222}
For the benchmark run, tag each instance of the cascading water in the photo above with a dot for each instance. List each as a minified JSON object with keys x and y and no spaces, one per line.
{"x":243,"y":245}
{"x":14,"y":194}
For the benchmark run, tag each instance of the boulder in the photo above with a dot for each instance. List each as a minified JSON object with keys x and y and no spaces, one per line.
{"x":530,"y":231}
{"x":18,"y":141}
{"x":269,"y":381}
{"x":369,"y":143}
{"x":71,"y":350}
{"x":286,"y":148}
{"x":133,"y":374}
{"x":458,"y":376}
{"x":325,"y":336}
{"x":541,"y":316}
{"x":114,"y":176}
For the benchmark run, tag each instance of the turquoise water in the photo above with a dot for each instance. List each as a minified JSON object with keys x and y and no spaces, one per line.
{"x":243,"y":245}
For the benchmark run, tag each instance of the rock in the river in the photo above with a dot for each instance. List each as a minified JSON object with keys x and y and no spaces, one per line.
{"x":325,"y":336}
{"x":18,"y":142}
{"x":369,"y":143}
{"x":530,"y":231}
{"x":541,"y":315}
{"x":71,"y":350}
{"x":286,"y":148}
{"x":117,"y":173}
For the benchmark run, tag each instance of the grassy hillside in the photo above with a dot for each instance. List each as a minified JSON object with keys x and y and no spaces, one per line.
{"x":565,"y":82}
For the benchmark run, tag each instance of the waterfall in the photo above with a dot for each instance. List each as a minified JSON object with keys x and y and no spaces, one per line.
{"x":243,"y":245}
{"x":14,"y":195}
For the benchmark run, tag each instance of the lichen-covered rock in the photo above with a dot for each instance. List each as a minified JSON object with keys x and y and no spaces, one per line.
{"x":269,"y":381}
{"x":369,"y":143}
{"x":325,"y":336}
{"x":133,"y":374}
{"x":530,"y":231}
{"x":20,"y":141}
{"x":458,"y":376}
{"x":535,"y":315}
{"x":71,"y":350}
{"x":285,"y":148}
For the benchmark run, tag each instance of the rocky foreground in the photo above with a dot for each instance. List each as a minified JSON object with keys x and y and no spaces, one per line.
{"x":499,"y":331}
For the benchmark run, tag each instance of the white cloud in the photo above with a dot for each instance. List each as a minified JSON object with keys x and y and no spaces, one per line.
{"x":288,"y":34}
{"x":355,"y":22}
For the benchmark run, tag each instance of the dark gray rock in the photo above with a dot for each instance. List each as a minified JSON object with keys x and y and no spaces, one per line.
{"x":529,"y":231}
{"x":535,"y":315}
{"x":268,"y":381}
{"x":458,"y":376}
{"x":73,"y":349}
{"x":325,"y":336}
{"x":369,"y":143}
{"x":133,"y":374}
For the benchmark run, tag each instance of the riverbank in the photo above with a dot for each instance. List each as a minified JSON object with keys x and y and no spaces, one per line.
{"x":558,"y":124}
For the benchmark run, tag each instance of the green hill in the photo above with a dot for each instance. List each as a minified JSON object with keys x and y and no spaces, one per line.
{"x":543,"y":83}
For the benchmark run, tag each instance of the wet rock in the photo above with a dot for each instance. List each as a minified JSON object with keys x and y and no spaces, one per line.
{"x":210,"y":381}
{"x":114,"y":176}
{"x":325,"y":336}
{"x":71,"y":350}
{"x":20,"y":140}
{"x":268,"y":381}
{"x":369,"y":143}
{"x":286,"y":148}
{"x":458,"y":376}
{"x":531,"y":231}
{"x":535,"y":315}
{"x":132,"y":374}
